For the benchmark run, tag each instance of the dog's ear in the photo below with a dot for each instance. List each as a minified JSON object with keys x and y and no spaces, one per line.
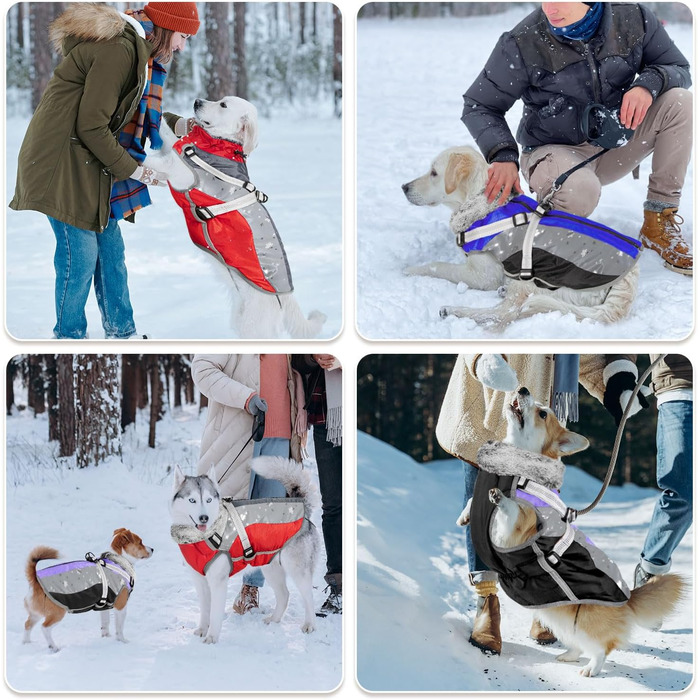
{"x":458,"y":171}
{"x":122,"y":537}
{"x":249,"y":128}
{"x":179,"y":478}
{"x":570,"y":442}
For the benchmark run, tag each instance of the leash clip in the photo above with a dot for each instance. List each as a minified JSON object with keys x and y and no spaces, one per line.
{"x":203,"y":214}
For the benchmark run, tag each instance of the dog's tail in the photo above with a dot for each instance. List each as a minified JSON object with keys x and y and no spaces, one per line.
{"x":656,"y":599}
{"x":35,"y":556}
{"x":294,"y":322}
{"x":614,"y":307}
{"x":295,"y":479}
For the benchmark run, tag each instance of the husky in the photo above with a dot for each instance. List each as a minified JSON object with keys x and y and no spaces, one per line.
{"x":99,"y":584}
{"x":255,"y":313}
{"x":198,"y":509}
{"x":586,"y":629}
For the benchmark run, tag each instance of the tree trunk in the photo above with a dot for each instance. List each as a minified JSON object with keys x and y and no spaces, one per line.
{"x":130,"y":389}
{"x":302,"y":23}
{"x":239,"y":54}
{"x":36,"y":391}
{"x":41,"y":14}
{"x":66,"y":405}
{"x":52,"y":396}
{"x":156,"y":398}
{"x":220,"y":80}
{"x":10,"y":372}
{"x":98,"y":411}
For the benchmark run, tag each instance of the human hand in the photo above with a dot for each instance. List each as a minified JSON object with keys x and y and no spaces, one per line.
{"x":495,"y":373}
{"x":503,"y":178}
{"x":326,"y":361}
{"x":618,"y":391}
{"x":634,"y":107}
{"x":183,"y":126}
{"x":256,"y":404}
{"x":149,"y":176}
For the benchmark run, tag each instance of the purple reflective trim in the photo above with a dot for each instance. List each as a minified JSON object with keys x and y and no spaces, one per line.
{"x":62,"y":568}
{"x":537,"y":502}
{"x":127,"y":578}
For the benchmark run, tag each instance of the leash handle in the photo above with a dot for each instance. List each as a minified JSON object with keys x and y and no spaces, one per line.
{"x":618,"y":436}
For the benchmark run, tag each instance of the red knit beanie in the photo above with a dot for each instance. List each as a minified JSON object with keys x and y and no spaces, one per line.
{"x":176,"y":16}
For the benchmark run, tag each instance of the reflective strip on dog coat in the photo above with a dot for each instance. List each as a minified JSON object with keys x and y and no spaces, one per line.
{"x":245,"y":240}
{"x":77,"y":586}
{"x":551,"y":247}
{"x":560,"y":565}
{"x":269,"y":523}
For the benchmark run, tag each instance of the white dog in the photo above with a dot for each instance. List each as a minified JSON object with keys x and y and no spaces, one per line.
{"x":457,"y":179}
{"x":199,"y":514}
{"x":255,"y":313}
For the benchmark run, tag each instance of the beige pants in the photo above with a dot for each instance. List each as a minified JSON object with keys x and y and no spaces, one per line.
{"x":665,"y":133}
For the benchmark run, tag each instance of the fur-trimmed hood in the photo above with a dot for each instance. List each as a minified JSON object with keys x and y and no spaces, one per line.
{"x":91,"y":21}
{"x":507,"y":460}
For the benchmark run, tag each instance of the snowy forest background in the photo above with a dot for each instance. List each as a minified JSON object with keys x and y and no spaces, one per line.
{"x":277,"y":55}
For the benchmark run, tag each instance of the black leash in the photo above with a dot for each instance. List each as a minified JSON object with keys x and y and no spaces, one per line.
{"x":556,"y":186}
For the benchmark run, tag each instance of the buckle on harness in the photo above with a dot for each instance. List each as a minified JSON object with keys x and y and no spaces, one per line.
{"x":526,"y":274}
{"x":570,"y":515}
{"x":249,"y":186}
{"x":553,"y":558}
{"x":216,"y":540}
{"x":248,"y":552}
{"x":203,"y":214}
{"x":188,"y":150}
{"x":519,"y":219}
{"x":262,"y":197}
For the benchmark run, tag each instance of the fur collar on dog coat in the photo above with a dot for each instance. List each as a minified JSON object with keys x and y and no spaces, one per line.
{"x":560,"y":565}
{"x":244,"y":239}
{"x":92,"y":583}
{"x":248,"y":533}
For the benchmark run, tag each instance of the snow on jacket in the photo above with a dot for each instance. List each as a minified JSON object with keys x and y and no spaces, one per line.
{"x":85,"y":584}
{"x":269,"y":524}
{"x":471,"y":414}
{"x":228,"y":381}
{"x":557,"y":77}
{"x":70,"y":154}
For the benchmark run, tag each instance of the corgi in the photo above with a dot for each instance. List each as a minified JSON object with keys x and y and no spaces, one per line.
{"x":586,"y":630}
{"x":81,"y":585}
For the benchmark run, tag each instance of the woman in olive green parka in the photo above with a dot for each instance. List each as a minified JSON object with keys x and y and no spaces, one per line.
{"x":87,"y":138}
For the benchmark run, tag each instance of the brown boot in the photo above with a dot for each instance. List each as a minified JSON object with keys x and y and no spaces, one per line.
{"x":661,"y":232}
{"x":246,"y":600}
{"x":540,"y":633}
{"x":486,"y":633}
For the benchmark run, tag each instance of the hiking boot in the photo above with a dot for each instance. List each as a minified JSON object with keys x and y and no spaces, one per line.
{"x":541,"y":634}
{"x":641,"y":577}
{"x":333,"y":605}
{"x":486,"y":633}
{"x":661,"y":232}
{"x":246,"y":600}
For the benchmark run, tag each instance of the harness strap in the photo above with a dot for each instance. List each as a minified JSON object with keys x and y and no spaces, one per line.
{"x":248,"y":551}
{"x":544,"y":494}
{"x":561,"y":545}
{"x":207,"y":213}
{"x":120,"y":572}
{"x":100,"y":564}
{"x":526,"y":272}
{"x":189,"y":152}
{"x":519,"y":219}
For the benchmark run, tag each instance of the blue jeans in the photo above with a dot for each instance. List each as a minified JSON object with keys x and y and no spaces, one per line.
{"x":83,"y":257}
{"x":673,"y":513}
{"x":478,"y":571}
{"x":265,"y":488}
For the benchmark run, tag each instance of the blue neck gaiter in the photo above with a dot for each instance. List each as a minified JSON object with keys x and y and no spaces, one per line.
{"x":585,"y":28}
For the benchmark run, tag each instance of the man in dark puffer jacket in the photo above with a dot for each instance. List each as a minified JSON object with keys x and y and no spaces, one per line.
{"x":560,"y":59}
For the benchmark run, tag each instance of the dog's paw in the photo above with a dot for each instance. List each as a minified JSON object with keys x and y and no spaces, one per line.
{"x":211,"y":639}
{"x":445,"y":311}
{"x":307,"y":628}
{"x":569,"y":656}
{"x":105,"y":633}
{"x":200,"y":632}
{"x":122,"y":638}
{"x":53,"y":648}
{"x":270,"y":619}
{"x":463,"y":519}
{"x":588,"y":671}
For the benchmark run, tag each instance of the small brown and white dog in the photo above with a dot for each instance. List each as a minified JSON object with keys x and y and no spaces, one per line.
{"x":125,"y":547}
{"x":457,"y":179}
{"x":587,"y":630}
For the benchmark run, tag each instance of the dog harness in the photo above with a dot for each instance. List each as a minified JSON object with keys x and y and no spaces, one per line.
{"x":551,"y":247}
{"x":559,"y":565}
{"x":225,"y":215}
{"x":247,"y":532}
{"x":92,"y":583}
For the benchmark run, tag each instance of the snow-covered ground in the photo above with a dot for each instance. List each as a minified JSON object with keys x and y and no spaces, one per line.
{"x":415,"y":606}
{"x":76,"y":511}
{"x":412,"y":74}
{"x":176,"y":292}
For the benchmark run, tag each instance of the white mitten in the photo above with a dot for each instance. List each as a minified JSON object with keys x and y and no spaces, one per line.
{"x":149,"y":176}
{"x":495,"y":373}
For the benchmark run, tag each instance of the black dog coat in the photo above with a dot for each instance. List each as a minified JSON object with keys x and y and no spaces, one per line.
{"x":87,"y":584}
{"x":560,"y":565}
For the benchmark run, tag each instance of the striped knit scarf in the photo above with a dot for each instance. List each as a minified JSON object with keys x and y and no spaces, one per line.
{"x":128,"y":196}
